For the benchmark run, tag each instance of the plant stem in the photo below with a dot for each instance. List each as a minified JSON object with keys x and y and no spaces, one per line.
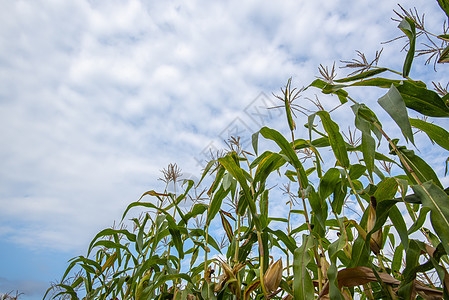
{"x":354,"y":191}
{"x":236,"y":254}
{"x":261,"y":262}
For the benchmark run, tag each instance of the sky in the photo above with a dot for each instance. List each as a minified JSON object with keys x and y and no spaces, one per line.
{"x":96,"y":97}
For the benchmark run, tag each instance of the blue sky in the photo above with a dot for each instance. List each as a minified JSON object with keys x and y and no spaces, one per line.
{"x":96,"y":97}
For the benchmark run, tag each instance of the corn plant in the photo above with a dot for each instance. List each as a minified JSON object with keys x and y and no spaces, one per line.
{"x":229,"y":245}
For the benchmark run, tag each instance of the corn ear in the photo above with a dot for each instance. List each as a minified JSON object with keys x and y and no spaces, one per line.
{"x":273,"y":276}
{"x":376,"y":237}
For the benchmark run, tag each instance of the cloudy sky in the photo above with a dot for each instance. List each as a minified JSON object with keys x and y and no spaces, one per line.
{"x":96,"y":97}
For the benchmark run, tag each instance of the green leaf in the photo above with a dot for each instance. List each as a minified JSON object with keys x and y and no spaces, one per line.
{"x":437,"y":201}
{"x":278,"y":219}
{"x":255,"y":141}
{"x":412,"y":260}
{"x":217,"y":180}
{"x":435,"y":133}
{"x":198,"y":209}
{"x":287,"y":149}
{"x":139,"y":240}
{"x":335,"y":138}
{"x":109,"y":245}
{"x":209,"y":165}
{"x":328,"y":182}
{"x":396,"y":264}
{"x":368,"y":151}
{"x":424,"y":101}
{"x":340,"y":191}
{"x":226,"y":226}
{"x":399,"y":223}
{"x":362,"y":75}
{"x":319,"y":208}
{"x":380,"y":156}
{"x":302,"y":282}
{"x":420,"y":221}
{"x":393,"y":104}
{"x":263,"y":208}
{"x":321,"y":142}
{"x":444,"y":57}
{"x":334,"y":289}
{"x":332,"y":272}
{"x":210,"y":239}
{"x":360,"y":253}
{"x":386,"y":189}
{"x":422,"y":170}
{"x":259,"y":158}
{"x":296,"y":230}
{"x":164,"y":278}
{"x":215,"y":204}
{"x":444,"y":4}
{"x":68,"y":290}
{"x":148,"y":205}
{"x":266,"y":166}
{"x":364,"y":119}
{"x":227,"y":181}
{"x":176,"y":236}
{"x":263,"y":251}
{"x":331,"y":89}
{"x":288,"y":109}
{"x":407,"y":25}
{"x":356,"y":170}
{"x":230,"y":165}
{"x":415,"y":95}
{"x":109,"y":232}
{"x":382,"y":213}
{"x":378,"y":81}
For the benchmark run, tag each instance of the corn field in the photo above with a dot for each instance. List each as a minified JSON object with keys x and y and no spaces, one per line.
{"x":228,"y":243}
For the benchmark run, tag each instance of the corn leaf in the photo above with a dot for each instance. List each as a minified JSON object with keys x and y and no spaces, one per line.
{"x":319,"y":208}
{"x":328,"y":182}
{"x":362,"y":75}
{"x":437,"y":201}
{"x":397,"y":259}
{"x":444,"y":4}
{"x":444,"y":57}
{"x":109,"y":232}
{"x":335,"y":138}
{"x":409,"y":273}
{"x":215,"y":204}
{"x":419,"y":221}
{"x":394,"y":105}
{"x":288,"y":151}
{"x":422,"y":100}
{"x":414,"y":93}
{"x":435,"y":133}
{"x":302,"y":282}
{"x":266,"y":166}
{"x":407,"y":25}
{"x":288,"y":241}
{"x":226,"y":226}
{"x":399,"y":223}
{"x":356,"y":170}
{"x":230,"y":165}
{"x":422,"y":170}
{"x":197,"y":209}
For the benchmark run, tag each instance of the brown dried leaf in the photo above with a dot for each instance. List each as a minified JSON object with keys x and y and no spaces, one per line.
{"x":350,"y":277}
{"x":427,"y":292}
{"x":252,"y":287}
